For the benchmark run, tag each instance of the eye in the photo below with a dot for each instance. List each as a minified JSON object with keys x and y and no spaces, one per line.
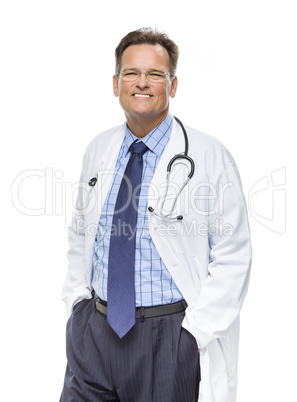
{"x":155,"y":75}
{"x":131,"y":74}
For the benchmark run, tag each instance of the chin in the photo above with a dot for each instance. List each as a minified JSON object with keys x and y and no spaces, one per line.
{"x":142,"y":112}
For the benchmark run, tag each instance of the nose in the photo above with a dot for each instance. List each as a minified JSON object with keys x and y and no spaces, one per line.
{"x":142,"y":81}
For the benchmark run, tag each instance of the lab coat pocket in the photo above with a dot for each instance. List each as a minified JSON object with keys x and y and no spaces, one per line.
{"x":201,"y":268}
{"x":89,"y":198}
{"x":186,"y":278}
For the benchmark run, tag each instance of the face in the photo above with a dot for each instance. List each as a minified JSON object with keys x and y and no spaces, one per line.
{"x":145,"y":58}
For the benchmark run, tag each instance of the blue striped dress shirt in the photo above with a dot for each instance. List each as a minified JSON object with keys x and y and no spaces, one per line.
{"x":153,"y":282}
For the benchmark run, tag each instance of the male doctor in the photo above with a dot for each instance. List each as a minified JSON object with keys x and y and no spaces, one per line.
{"x":159,"y":263}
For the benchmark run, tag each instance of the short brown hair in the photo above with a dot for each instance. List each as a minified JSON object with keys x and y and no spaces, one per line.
{"x":151,"y":37}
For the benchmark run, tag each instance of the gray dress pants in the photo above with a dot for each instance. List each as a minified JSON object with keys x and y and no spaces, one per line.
{"x":157,"y":361}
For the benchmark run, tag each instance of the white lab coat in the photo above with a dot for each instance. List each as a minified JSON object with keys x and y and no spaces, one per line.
{"x":208,"y":253}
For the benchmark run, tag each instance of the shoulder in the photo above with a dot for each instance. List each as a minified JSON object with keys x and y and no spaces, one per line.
{"x":105,"y":138}
{"x":208,"y":146}
{"x":103,"y":148}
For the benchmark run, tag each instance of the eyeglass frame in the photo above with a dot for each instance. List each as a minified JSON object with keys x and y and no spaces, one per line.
{"x":139,"y":73}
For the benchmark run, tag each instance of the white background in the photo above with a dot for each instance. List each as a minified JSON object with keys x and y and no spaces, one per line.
{"x":237,"y":82}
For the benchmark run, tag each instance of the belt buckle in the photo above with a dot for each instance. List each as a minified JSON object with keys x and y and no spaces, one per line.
{"x":141,"y":314}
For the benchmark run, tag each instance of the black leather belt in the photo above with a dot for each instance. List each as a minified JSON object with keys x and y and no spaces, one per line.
{"x":147,"y":312}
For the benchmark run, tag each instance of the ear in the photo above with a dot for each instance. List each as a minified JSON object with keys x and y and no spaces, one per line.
{"x":115,"y":83}
{"x":173,"y":87}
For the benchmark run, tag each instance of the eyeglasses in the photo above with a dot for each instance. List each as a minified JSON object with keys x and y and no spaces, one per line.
{"x":152,"y":76}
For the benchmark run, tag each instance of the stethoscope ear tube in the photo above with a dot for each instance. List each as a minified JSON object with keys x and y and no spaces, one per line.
{"x":179,"y":217}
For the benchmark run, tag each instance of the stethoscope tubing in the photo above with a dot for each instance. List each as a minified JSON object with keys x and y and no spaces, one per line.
{"x":169,"y":166}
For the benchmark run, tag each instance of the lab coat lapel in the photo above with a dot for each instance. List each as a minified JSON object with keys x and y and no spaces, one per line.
{"x":104,"y":168}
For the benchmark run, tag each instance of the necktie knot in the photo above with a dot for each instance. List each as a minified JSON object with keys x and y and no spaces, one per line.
{"x":138,"y":148}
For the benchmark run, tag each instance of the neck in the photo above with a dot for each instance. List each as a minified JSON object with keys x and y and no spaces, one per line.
{"x":140,"y":126}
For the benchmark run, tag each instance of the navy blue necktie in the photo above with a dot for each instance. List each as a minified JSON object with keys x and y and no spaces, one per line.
{"x":121,"y":263}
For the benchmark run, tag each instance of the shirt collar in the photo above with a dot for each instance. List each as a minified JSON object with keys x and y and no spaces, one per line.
{"x":155,"y":140}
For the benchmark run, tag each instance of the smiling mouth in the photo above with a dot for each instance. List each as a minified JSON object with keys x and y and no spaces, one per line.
{"x":142,"y":95}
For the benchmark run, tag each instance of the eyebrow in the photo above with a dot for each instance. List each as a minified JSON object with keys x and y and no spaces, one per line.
{"x":151,"y":70}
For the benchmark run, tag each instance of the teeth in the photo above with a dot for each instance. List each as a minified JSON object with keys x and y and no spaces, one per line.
{"x":142,"y":95}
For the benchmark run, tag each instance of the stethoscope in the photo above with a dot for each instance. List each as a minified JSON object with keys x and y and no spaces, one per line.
{"x":185,"y":156}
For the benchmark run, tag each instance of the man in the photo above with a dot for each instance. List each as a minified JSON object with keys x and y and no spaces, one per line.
{"x":159,"y":267}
